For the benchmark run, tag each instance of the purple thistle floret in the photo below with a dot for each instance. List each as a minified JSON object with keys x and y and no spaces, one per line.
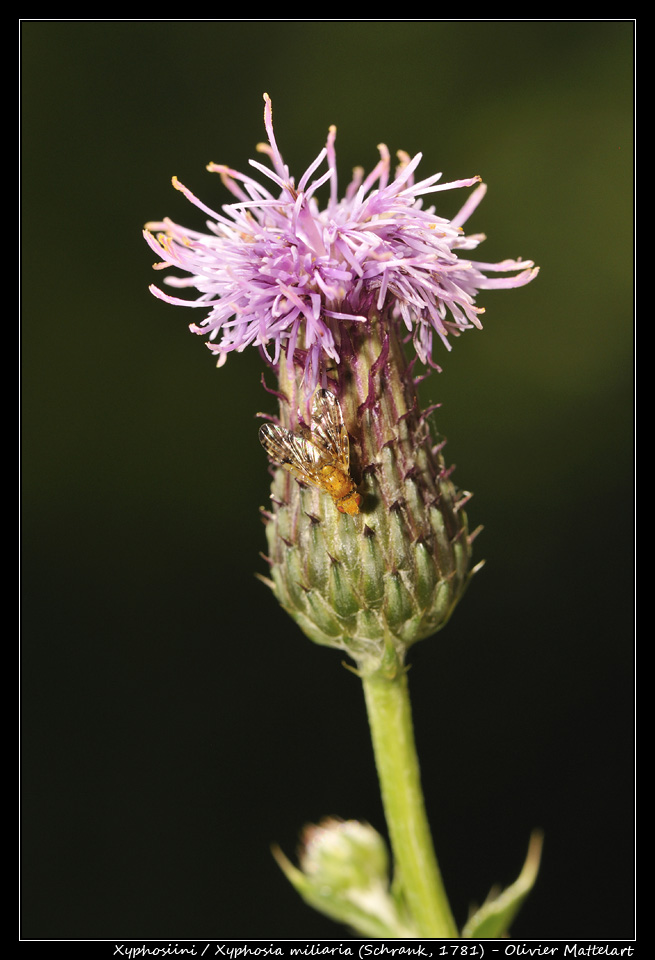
{"x":279,"y":272}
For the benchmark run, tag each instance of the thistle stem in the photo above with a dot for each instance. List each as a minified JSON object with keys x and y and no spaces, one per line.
{"x":390,"y":719}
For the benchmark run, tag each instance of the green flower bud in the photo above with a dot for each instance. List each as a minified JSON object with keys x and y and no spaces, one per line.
{"x":344,"y":873}
{"x":344,"y":855}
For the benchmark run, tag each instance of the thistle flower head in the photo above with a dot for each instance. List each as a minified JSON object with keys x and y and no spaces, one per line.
{"x":329,"y":294}
{"x":280,"y":272}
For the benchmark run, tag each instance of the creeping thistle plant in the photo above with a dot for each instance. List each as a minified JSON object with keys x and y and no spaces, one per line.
{"x":369,"y":548}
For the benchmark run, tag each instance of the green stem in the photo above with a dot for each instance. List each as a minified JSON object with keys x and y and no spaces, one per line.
{"x":390,"y":719}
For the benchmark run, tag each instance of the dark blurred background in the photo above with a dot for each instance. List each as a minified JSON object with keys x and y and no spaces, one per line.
{"x":175,"y":722}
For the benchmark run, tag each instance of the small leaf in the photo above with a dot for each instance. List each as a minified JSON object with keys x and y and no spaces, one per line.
{"x":494,"y":917}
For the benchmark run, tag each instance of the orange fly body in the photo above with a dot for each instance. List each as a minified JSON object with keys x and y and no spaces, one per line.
{"x":320,"y":457}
